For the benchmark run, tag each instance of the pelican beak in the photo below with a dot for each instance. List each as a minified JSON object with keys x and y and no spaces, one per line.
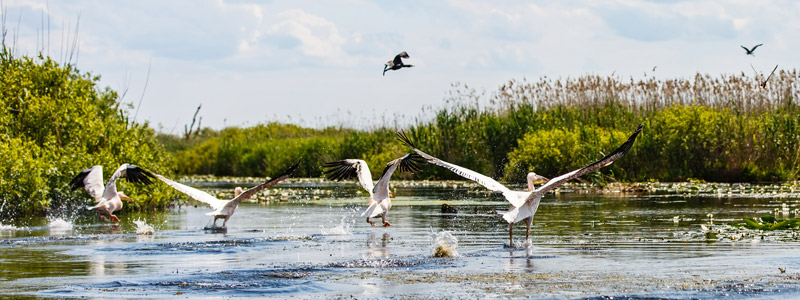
{"x":125,"y":198}
{"x":391,"y":195}
{"x":540,"y":179}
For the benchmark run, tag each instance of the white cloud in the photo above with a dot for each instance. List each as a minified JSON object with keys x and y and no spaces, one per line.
{"x":318,"y":37}
{"x":249,"y":59}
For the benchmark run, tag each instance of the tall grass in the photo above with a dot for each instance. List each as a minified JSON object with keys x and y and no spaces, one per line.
{"x":725,"y":128}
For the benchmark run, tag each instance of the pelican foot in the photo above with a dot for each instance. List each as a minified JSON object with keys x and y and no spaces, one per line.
{"x":104,"y":218}
{"x":386,"y":224}
{"x":114,"y":219}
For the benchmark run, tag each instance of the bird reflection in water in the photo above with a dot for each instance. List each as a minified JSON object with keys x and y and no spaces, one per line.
{"x":528,"y":254}
{"x":378,"y":245}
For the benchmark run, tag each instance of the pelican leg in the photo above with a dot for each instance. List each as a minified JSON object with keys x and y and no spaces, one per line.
{"x":385,"y":223}
{"x":511,"y":234}
{"x":102,"y":217}
{"x":224,"y":222}
{"x":370,"y":222}
{"x":528,"y":229}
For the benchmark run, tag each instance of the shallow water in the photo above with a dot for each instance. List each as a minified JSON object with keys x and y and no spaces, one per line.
{"x":316,"y":246}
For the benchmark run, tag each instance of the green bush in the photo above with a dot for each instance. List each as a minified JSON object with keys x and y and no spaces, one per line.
{"x":552,"y":151}
{"x":55,"y":122}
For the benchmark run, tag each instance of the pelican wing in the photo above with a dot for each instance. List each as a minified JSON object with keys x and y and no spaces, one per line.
{"x":194,"y":193}
{"x":91,"y":180}
{"x":131,"y":173}
{"x":745,"y":48}
{"x":407,"y":163}
{"x":756,"y":46}
{"x":349,"y":168}
{"x":397,"y":59}
{"x":605,"y":161}
{"x":250,"y":192}
{"x":481,"y":179}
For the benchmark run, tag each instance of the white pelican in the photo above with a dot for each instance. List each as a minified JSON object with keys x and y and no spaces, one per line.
{"x":107,"y":198}
{"x":524,"y":204}
{"x":379,"y":195}
{"x":224,"y":209}
{"x":397,"y":63}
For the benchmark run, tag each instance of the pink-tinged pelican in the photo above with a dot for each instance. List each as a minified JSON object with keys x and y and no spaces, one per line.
{"x":524,"y":203}
{"x":396,"y":63}
{"x":379,"y":195}
{"x":107,"y":197}
{"x":224,"y":209}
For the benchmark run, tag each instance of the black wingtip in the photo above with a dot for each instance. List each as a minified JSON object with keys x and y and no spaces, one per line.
{"x":138,"y":175}
{"x":291,"y":169}
{"x":77,"y":181}
{"x":403,"y":138}
{"x":624,"y":148}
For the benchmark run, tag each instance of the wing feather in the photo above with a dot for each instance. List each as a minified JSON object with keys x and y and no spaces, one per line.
{"x":481,"y":179}
{"x":407,"y":163}
{"x":91,"y":180}
{"x":280,"y":177}
{"x":194,"y":193}
{"x":349,"y":168}
{"x":605,"y":161}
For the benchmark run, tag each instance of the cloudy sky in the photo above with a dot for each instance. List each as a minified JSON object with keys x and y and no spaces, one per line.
{"x":319,"y":63}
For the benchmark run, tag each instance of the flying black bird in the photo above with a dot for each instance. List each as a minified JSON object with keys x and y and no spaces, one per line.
{"x":764,"y":83}
{"x":750,"y":51}
{"x":397,"y":63}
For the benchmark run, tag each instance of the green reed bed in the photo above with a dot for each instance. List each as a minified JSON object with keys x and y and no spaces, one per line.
{"x":54,"y":122}
{"x":725,"y":128}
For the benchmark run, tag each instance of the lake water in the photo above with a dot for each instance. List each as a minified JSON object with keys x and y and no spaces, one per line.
{"x":315,"y":245}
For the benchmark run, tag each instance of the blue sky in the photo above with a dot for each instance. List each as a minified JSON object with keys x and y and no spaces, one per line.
{"x":319,"y":63}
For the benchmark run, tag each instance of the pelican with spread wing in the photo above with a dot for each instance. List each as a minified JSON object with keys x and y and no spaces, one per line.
{"x":524,"y":204}
{"x":224,"y":209}
{"x":379,"y":196}
{"x":107,"y":198}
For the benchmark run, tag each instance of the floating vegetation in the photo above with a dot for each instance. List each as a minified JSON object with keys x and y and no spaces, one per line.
{"x":768,"y":222}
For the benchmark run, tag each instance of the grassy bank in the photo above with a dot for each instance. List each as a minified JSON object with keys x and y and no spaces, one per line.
{"x":725,"y":128}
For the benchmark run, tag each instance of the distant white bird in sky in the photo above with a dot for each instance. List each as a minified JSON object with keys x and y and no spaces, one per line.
{"x":397,"y":63}
{"x":107,"y":197}
{"x":224,"y":209}
{"x":524,"y":204}
{"x":750,"y":51}
{"x":379,"y":196}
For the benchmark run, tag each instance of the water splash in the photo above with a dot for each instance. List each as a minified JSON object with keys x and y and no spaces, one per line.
{"x":342,"y":229}
{"x":444,"y":245}
{"x":7,"y":227}
{"x":59,"y":224}
{"x":143,"y":228}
